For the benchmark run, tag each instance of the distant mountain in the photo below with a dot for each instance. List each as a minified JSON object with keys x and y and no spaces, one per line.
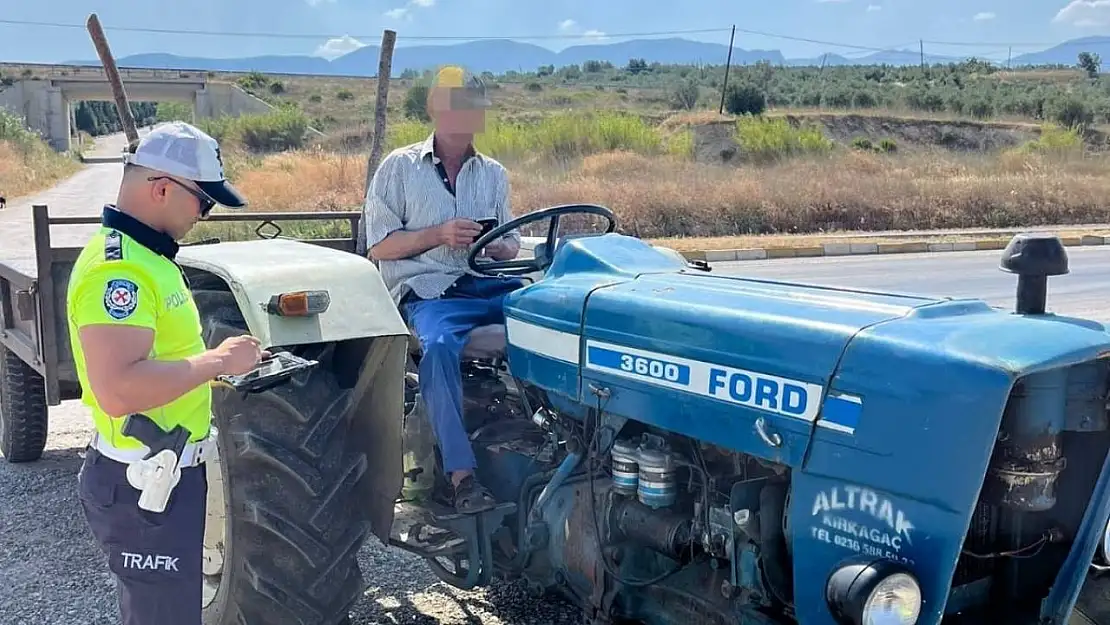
{"x":1067,"y":52}
{"x":502,"y":55}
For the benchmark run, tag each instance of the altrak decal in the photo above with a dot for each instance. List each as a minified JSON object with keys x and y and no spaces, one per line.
{"x":884,"y":532}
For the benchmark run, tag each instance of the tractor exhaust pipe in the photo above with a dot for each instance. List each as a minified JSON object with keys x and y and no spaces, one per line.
{"x":1034,"y":257}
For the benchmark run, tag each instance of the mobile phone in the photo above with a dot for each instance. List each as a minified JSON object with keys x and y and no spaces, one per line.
{"x":487,"y":225}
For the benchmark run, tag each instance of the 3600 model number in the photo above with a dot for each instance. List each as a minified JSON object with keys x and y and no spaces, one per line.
{"x":638,"y":365}
{"x":650,"y":367}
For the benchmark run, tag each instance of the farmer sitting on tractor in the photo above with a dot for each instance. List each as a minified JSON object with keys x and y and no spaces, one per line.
{"x":421,"y":214}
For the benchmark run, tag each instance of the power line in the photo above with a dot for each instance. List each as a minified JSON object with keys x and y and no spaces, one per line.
{"x":318,"y":36}
{"x":1003,"y":44}
{"x":584,"y":36}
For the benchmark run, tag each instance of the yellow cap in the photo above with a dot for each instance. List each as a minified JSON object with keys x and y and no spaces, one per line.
{"x":467,"y":90}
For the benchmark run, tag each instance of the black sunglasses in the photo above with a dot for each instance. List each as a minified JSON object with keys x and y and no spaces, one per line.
{"x":206,"y":203}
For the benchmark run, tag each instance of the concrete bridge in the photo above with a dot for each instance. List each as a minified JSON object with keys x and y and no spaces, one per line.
{"x":45,"y":103}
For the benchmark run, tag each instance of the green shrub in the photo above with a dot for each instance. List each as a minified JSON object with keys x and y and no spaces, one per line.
{"x":1055,"y":140}
{"x":560,"y":137}
{"x":1070,"y":112}
{"x":745,"y":99}
{"x":416,"y":103}
{"x":686,"y":95}
{"x":283,"y":128}
{"x":767,"y":140}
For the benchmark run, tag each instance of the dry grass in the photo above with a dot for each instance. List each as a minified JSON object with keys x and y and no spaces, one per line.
{"x":26,"y":169}
{"x":661,"y":197}
{"x":847,"y":191}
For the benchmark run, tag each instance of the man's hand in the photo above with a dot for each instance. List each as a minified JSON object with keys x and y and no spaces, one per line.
{"x":239,"y":354}
{"x":458,"y":233}
{"x":502,"y":249}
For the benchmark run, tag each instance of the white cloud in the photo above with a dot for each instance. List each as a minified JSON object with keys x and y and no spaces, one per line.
{"x":404,"y":12}
{"x":871,"y":8}
{"x":569,"y":27}
{"x":313,"y":3}
{"x":337,"y":47}
{"x":1085,"y":13}
{"x":983,"y":16}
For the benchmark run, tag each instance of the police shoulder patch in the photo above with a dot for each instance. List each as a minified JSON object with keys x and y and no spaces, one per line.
{"x":121,"y":297}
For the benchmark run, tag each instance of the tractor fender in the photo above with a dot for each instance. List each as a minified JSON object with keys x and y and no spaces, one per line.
{"x":255,"y":271}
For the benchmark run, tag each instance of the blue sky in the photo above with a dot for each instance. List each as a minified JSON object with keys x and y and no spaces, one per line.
{"x":335,"y":26}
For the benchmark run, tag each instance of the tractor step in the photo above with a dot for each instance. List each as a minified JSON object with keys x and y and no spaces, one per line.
{"x":432,"y":530}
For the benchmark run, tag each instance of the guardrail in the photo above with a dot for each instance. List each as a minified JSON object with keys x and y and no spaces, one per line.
{"x":96,"y":71}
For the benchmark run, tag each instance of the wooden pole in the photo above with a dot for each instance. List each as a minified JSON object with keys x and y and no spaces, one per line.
{"x":728,"y":63}
{"x":385,"y":70}
{"x":100,"y":42}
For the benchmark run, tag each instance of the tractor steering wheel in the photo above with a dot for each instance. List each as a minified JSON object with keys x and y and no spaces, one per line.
{"x":525,"y":266}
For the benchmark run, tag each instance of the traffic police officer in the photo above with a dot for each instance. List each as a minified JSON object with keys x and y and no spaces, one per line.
{"x":136,"y":338}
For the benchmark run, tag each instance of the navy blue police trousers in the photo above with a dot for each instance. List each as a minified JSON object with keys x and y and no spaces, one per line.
{"x":442,"y":325}
{"x":156,"y":557}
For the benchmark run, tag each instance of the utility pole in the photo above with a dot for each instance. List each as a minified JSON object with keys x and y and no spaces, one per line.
{"x":922,"y":43}
{"x":385,"y":71}
{"x":1009,"y":57}
{"x":821,"y":74}
{"x":728,"y":63}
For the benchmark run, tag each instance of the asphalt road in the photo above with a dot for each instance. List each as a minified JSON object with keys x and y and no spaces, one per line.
{"x":1084,"y":292}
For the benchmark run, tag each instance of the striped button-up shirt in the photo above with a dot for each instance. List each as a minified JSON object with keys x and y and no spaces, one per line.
{"x":409,"y":192}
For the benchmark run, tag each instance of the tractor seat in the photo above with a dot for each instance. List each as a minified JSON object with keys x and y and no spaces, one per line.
{"x":483,"y":343}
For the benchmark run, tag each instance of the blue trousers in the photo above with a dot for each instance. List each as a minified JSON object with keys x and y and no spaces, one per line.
{"x":442,"y":325}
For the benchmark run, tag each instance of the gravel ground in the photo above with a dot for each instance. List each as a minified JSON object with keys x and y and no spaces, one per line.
{"x":44,"y":542}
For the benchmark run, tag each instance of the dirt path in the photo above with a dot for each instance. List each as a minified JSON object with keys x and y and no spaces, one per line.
{"x":84,"y":194}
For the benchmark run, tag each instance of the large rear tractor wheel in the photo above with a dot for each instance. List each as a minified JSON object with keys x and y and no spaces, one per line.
{"x":23,"y":415}
{"x":283,"y":527}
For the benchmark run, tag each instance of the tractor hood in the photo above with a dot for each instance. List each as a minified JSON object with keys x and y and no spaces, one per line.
{"x":887,"y":407}
{"x":693,"y":352}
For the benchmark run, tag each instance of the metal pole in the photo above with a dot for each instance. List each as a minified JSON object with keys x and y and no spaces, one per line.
{"x":728,"y":63}
{"x":385,"y":70}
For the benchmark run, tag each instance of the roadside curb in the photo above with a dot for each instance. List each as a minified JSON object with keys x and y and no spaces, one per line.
{"x":91,"y":159}
{"x":863,"y":249}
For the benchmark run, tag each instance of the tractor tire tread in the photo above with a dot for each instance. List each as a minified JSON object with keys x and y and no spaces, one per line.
{"x":293,"y":471}
{"x":23,"y":409}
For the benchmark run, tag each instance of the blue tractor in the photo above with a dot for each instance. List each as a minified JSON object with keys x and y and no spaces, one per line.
{"x":676,"y":447}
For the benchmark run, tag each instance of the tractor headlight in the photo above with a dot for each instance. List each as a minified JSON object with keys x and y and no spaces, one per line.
{"x":896,"y":599}
{"x":874,"y":592}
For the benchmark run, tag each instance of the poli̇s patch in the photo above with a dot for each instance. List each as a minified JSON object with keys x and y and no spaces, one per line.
{"x":121,"y":297}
